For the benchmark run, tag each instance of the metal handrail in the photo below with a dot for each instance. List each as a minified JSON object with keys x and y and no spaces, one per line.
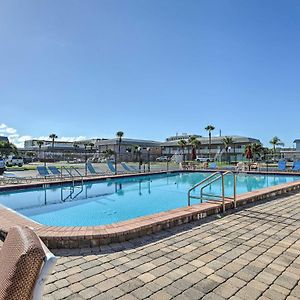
{"x":214,"y":180}
{"x":223,"y":197}
{"x":68,"y":171}
{"x":198,"y":184}
{"x":211,"y":180}
{"x":80,"y":175}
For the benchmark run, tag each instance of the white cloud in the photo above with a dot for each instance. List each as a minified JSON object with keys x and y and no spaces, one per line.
{"x":19,"y":140}
{"x":4,"y":129}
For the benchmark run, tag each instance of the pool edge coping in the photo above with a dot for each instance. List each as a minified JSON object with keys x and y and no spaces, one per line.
{"x":90,"y":236}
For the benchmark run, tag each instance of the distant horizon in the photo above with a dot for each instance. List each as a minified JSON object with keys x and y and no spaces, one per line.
{"x":21,"y":139}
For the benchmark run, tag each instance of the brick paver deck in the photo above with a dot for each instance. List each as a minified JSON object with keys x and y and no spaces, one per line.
{"x":252,"y":254}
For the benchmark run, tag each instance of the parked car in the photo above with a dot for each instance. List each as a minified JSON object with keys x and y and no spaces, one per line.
{"x":162,"y":158}
{"x":14,"y":161}
{"x":2,"y":166}
{"x":203,"y":159}
{"x":104,"y":160}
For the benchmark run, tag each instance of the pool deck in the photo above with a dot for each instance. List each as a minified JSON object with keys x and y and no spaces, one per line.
{"x":94,"y":236}
{"x":253,"y":253}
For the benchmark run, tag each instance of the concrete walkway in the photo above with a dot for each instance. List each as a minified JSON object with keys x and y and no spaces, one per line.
{"x":252,"y":254}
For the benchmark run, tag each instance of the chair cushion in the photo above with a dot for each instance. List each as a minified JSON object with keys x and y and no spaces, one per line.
{"x":21,"y":258}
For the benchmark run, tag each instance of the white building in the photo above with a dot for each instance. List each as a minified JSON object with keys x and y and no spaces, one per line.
{"x":236,"y":151}
{"x":293,"y":153}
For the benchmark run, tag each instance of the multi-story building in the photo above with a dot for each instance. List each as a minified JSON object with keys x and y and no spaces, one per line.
{"x":137,"y":149}
{"x":292,"y":153}
{"x":130,"y":149}
{"x":47,"y":145}
{"x":235,"y":151}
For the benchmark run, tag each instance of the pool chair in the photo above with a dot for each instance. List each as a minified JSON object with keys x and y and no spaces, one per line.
{"x":54,"y":171}
{"x":25,"y":264}
{"x":281,"y":165}
{"x":129,"y":169}
{"x":240,"y":167}
{"x":9,"y":178}
{"x":57,"y":173}
{"x":111,"y":167}
{"x":212,"y":166}
{"x":92,"y":170}
{"x":296,"y":166}
{"x":43,"y":172}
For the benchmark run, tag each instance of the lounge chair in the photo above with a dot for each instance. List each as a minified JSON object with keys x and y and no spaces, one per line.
{"x":111,"y":167}
{"x":296,"y":166}
{"x":254,"y":166}
{"x":43,"y":172}
{"x":281,"y":165}
{"x":92,"y":170}
{"x":10,"y":178}
{"x":55,"y":171}
{"x":212,"y":166}
{"x":129,"y":168}
{"x":25,"y":264}
{"x":240,"y":167}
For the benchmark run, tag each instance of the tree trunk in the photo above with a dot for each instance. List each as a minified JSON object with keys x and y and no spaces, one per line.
{"x":209,"y":145}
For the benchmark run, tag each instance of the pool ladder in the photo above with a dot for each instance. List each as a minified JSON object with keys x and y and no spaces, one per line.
{"x":72,"y":188}
{"x":211,"y":198}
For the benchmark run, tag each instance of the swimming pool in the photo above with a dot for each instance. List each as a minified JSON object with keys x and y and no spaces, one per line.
{"x":114,"y":200}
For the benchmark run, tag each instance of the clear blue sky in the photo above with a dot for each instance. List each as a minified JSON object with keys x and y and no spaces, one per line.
{"x":150,"y":68}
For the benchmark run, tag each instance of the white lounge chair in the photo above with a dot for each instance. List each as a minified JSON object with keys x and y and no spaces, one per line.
{"x":240,"y":167}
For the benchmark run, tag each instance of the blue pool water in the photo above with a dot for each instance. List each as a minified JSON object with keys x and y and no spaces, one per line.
{"x":115,"y":200}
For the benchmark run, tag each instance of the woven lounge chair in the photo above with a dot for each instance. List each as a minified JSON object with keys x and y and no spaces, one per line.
{"x":25,"y":265}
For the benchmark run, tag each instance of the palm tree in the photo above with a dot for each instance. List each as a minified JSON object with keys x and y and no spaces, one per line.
{"x":40,"y":144}
{"x":136,"y":151}
{"x":190,"y":141}
{"x":257,"y":150}
{"x":182,"y":143}
{"x":7,"y":148}
{"x":85,"y":147}
{"x":76,"y":147}
{"x":119,"y":135}
{"x":248,"y":151}
{"x":108,"y":153}
{"x":91,"y":145}
{"x":275,"y":141}
{"x":209,"y":128}
{"x":227,"y":141}
{"x":195,"y":145}
{"x":53,"y":136}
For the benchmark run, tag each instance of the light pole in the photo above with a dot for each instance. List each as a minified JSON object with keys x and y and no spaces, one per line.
{"x":140,"y":162}
{"x":148,"y":151}
{"x":229,"y":148}
{"x":85,"y":155}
